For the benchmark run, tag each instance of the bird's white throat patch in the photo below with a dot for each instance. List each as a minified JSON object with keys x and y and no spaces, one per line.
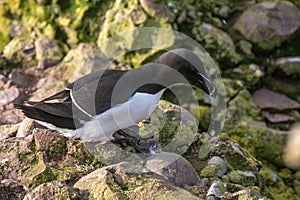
{"x":121,"y":116}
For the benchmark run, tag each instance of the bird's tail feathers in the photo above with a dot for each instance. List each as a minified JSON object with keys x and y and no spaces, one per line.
{"x":30,"y":112}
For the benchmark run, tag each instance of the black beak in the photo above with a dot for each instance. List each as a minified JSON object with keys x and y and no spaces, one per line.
{"x":207,"y":86}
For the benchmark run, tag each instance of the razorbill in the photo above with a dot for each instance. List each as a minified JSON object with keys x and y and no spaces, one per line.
{"x":99,"y":104}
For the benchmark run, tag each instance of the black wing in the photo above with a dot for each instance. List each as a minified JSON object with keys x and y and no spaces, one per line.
{"x":91,"y":92}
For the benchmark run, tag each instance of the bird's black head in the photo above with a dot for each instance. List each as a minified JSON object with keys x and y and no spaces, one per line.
{"x":190,"y":66}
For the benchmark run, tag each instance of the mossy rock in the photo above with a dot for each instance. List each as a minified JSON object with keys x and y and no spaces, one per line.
{"x":218,"y":43}
{"x":268,"y":24}
{"x":279,"y":188}
{"x":127,"y":181}
{"x":265,"y":143}
{"x":125,"y":21}
{"x":173,"y":127}
{"x":54,"y":189}
{"x":249,"y":75}
{"x":20,"y":50}
{"x":241,"y":110}
{"x":37,"y":173}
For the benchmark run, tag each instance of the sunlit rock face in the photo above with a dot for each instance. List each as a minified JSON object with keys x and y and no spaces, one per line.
{"x":268,"y":24}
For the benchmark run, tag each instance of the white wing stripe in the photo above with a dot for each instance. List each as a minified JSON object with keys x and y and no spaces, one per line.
{"x":76,"y":104}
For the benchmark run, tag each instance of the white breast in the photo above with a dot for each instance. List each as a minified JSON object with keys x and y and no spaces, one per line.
{"x":121,"y":116}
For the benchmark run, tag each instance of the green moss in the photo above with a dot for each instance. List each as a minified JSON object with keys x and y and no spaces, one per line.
{"x":241,"y":110}
{"x":249,"y":75}
{"x":145,"y":186}
{"x":107,"y":190}
{"x":285,"y":173}
{"x":262,"y":142}
{"x":38,"y":173}
{"x":281,"y":191}
{"x":169,"y":129}
{"x":54,"y":146}
{"x":14,"y":50}
{"x":127,"y":16}
{"x":231,"y":187}
{"x":210,"y":170}
{"x":243,"y":178}
{"x":9,"y":127}
{"x":296,"y":183}
{"x":218,"y":43}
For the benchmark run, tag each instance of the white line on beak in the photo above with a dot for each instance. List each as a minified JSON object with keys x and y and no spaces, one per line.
{"x":210,"y":83}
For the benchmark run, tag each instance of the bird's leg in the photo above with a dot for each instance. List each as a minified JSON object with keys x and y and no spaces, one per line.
{"x":128,"y":139}
{"x":141,"y":145}
{"x":119,"y":140}
{"x":135,"y":144}
{"x":124,"y":134}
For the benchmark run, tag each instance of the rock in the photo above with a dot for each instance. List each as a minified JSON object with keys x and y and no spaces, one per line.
{"x":222,"y":153}
{"x":263,"y":142}
{"x":12,"y":189}
{"x":225,"y":156}
{"x":11,"y":115}
{"x":54,"y":190}
{"x":46,"y":87}
{"x":7,"y":131}
{"x":217,"y":8}
{"x":249,"y":75}
{"x":48,"y":52}
{"x":267,"y":99}
{"x":206,"y":148}
{"x":268,"y":24}
{"x":218,"y":42}
{"x":3,"y":81}
{"x":12,"y":155}
{"x":244,"y":178}
{"x":51,"y":143}
{"x":119,"y":36}
{"x":154,"y":9}
{"x":232,"y":88}
{"x":80,"y":61}
{"x":11,"y":95}
{"x":25,"y":127}
{"x":19,"y":49}
{"x":44,"y":157}
{"x":278,"y":117}
{"x":289,"y":65}
{"x":246,"y":48}
{"x":296,"y":184}
{"x":291,"y":154}
{"x":38,"y":172}
{"x":289,"y":86}
{"x":276,"y":185}
{"x":245,"y":194}
{"x":215,"y":190}
{"x":222,"y":190}
{"x":111,"y":153}
{"x":19,"y":79}
{"x":174,"y":168}
{"x":172,"y":126}
{"x":117,"y":182}
{"x":116,"y":22}
{"x":216,"y":167}
{"x":240,"y":109}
